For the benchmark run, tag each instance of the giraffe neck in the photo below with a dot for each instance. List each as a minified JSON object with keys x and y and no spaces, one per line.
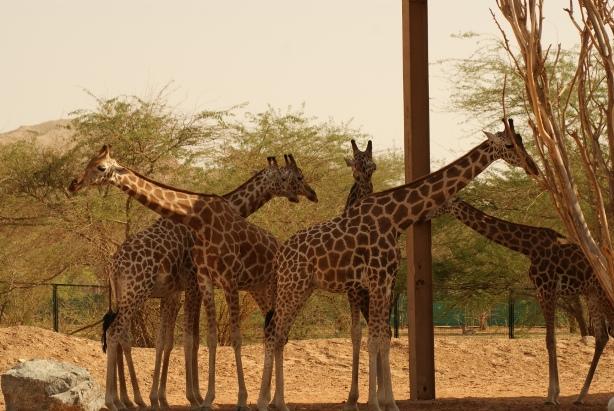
{"x":251,"y":195}
{"x":359,"y":190}
{"x":516,"y":237}
{"x":175,"y":204}
{"x":404,"y":205}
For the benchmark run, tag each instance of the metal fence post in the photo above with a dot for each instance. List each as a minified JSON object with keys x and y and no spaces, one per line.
{"x":395,"y":317}
{"x":56,"y":308}
{"x":511,"y":317}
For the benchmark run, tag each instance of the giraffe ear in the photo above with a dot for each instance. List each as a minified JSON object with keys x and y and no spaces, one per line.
{"x":105,"y":151}
{"x":292,"y":160}
{"x":369,"y":149}
{"x":490,"y":136}
{"x":355,"y":149}
{"x":286,"y":160}
{"x":272,"y":161}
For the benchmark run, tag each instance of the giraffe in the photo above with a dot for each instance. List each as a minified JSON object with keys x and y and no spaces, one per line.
{"x":359,"y":250}
{"x":228,"y":252}
{"x":558,"y":268}
{"x":157,"y":262}
{"x":363,"y":167}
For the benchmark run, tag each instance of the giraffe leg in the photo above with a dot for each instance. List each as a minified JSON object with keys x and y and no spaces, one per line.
{"x":154,"y":394}
{"x":195,"y":347}
{"x":601,"y":339}
{"x":169,"y":318}
{"x":124,"y":400}
{"x":232,"y":299}
{"x":355,"y":308}
{"x":291,"y":298}
{"x":547,"y":302}
{"x":191,"y":311}
{"x":126,"y":347}
{"x":264,"y":300}
{"x":267,"y":372}
{"x":209,"y":302}
{"x":385,"y":394}
{"x":379,"y":343}
{"x":578,"y":314}
{"x":110,"y":399}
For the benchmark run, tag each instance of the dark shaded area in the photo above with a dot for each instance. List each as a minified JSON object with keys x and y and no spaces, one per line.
{"x":593,"y":402}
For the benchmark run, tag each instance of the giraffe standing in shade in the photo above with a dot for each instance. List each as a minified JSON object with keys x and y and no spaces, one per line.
{"x":363,"y":168}
{"x":558,"y":268}
{"x":157,"y":263}
{"x":359,"y":250}
{"x":228,"y":251}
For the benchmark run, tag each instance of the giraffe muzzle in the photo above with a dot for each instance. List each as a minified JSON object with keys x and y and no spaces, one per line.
{"x":311,"y":195}
{"x":74,"y":186}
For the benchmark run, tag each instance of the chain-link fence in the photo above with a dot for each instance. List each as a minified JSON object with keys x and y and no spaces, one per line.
{"x":67,"y":308}
{"x":78,"y":309}
{"x":509,"y":311}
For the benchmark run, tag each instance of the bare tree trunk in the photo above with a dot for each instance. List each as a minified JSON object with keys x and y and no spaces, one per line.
{"x":547,"y":119}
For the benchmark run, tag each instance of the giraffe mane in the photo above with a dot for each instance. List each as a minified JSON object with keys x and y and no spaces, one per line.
{"x":420,"y":180}
{"x":166,"y":186}
{"x":245,"y":183}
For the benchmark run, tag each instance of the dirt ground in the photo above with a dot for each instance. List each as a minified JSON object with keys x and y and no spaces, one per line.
{"x":472,"y":373}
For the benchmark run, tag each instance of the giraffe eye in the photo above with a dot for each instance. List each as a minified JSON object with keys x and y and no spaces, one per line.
{"x":102,"y":167}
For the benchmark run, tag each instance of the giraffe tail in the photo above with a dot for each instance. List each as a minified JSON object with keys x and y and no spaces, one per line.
{"x":107,"y":320}
{"x":268,"y":318}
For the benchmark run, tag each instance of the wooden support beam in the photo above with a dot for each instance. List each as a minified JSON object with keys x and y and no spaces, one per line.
{"x":417,"y":164}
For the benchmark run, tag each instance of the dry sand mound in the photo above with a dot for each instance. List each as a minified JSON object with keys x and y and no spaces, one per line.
{"x":473,"y":373}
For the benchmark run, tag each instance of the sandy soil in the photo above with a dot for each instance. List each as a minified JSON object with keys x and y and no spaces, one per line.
{"x":472,"y":373}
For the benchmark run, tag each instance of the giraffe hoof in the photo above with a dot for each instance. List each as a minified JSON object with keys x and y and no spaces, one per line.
{"x":123,"y":405}
{"x":350,"y":407}
{"x":578,"y":402}
{"x":551,"y":402}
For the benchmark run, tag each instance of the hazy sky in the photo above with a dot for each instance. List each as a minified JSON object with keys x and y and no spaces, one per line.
{"x":342,"y":58}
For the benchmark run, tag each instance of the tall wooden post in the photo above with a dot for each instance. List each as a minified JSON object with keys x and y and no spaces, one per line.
{"x":417,"y":164}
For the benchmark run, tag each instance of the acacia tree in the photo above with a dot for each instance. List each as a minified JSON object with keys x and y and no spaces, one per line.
{"x":589,"y":134}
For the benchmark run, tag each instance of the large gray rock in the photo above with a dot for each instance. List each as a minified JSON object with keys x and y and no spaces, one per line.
{"x":50,"y":385}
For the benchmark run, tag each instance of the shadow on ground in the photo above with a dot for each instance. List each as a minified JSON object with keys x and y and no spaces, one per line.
{"x":593,"y":402}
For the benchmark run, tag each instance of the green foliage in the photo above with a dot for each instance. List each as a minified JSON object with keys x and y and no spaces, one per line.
{"x":48,"y":235}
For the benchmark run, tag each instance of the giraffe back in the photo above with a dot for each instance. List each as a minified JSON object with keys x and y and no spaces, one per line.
{"x":164,"y":248}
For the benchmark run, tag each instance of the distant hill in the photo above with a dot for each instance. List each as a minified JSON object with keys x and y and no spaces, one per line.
{"x":52,"y":134}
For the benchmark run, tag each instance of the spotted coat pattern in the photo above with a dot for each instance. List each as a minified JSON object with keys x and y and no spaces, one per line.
{"x":228,"y":252}
{"x":359,"y":250}
{"x":559,"y":269}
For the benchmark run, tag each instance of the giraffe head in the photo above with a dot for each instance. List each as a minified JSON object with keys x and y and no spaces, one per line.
{"x":445,"y":208}
{"x":362,"y":164}
{"x":100,"y":170}
{"x":508,"y":146}
{"x":290,"y":181}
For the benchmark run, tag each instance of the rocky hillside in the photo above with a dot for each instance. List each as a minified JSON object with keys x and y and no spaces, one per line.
{"x":55,"y":134}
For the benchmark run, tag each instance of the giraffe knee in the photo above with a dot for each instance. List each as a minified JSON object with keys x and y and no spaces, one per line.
{"x":235,"y":339}
{"x":211,"y":340}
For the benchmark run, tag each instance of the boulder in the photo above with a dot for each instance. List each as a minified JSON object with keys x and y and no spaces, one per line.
{"x":50,"y":385}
